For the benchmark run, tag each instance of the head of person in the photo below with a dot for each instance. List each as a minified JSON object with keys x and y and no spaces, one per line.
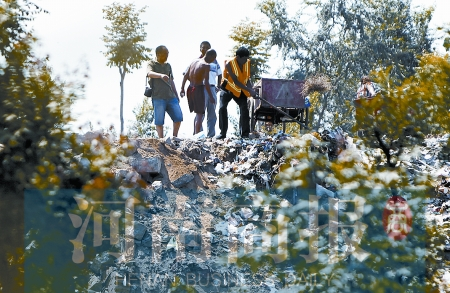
{"x":242,"y":55}
{"x":210,"y":56}
{"x":204,"y":46}
{"x":161,"y":54}
{"x":365,"y":79}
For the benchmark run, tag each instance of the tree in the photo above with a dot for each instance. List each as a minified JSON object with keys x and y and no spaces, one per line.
{"x":403,"y":115}
{"x":142,"y":126}
{"x":123,"y":42}
{"x":250,"y":34}
{"x":349,"y":39}
{"x":397,"y":123}
{"x":38,"y":152}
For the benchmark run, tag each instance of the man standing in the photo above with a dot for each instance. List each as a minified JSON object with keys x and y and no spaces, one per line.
{"x":199,"y":91}
{"x":215,"y":72}
{"x":164,"y":97}
{"x":237,"y":87}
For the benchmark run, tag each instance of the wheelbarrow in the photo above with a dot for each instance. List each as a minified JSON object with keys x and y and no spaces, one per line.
{"x":279,"y":101}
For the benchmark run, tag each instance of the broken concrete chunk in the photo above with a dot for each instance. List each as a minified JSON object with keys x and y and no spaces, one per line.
{"x":246,"y":213}
{"x":183,"y":180}
{"x":132,"y":176}
{"x":121,"y":173}
{"x":100,"y":261}
{"x":147,"y":165}
{"x":208,"y":203}
{"x":323,"y":192}
{"x":222,"y":227}
{"x":139,"y":230}
{"x":191,"y":241}
{"x":147,"y":241}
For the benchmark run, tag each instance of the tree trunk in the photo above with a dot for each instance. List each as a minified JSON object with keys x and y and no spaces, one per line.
{"x":122,"y":78}
{"x":12,"y":246}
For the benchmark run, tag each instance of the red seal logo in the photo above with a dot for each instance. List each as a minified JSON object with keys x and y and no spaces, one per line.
{"x":397,"y":218}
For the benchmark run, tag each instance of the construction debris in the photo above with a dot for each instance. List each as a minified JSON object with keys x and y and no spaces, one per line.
{"x":191,"y":225}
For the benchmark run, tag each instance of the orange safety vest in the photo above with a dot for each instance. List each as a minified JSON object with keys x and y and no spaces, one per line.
{"x":242,"y":76}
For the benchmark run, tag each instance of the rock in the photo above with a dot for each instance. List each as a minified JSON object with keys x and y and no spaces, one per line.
{"x":183,"y":180}
{"x":139,"y":230}
{"x":194,"y":150}
{"x":208,"y":203}
{"x":173,"y":228}
{"x":96,"y":287}
{"x":157,"y":186}
{"x":100,"y":261}
{"x":192,"y":241}
{"x":130,"y":147}
{"x":246,"y":213}
{"x":132,"y":177}
{"x":147,"y":165}
{"x":121,"y":173}
{"x":323,"y":192}
{"x":147,"y":241}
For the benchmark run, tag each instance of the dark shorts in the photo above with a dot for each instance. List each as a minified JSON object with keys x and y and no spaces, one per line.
{"x":196,"y":99}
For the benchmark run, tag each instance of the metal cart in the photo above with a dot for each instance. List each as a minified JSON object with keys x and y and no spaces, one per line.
{"x":279,"y":100}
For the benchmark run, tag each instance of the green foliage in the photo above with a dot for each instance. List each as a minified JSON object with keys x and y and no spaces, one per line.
{"x":355,"y":177}
{"x":397,"y":121}
{"x":403,"y":115}
{"x":251,"y":35}
{"x":351,"y":39}
{"x":36,"y":149}
{"x":144,"y":115}
{"x":123,"y":42}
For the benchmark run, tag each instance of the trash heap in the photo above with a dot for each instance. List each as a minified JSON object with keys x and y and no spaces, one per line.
{"x":188,"y":225}
{"x":182,"y":229}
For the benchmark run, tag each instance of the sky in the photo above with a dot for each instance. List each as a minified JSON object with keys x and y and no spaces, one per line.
{"x":70,"y":34}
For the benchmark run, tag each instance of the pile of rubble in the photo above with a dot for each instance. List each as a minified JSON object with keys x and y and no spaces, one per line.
{"x":181,"y":233}
{"x":187,"y":163}
{"x":183,"y":228}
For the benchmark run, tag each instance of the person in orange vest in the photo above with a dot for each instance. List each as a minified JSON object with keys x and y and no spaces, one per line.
{"x":236,"y":86}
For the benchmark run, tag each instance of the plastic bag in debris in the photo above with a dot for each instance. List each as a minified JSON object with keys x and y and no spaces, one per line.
{"x":199,"y":135}
{"x":246,"y":234}
{"x":246,"y":213}
{"x":172,"y":244}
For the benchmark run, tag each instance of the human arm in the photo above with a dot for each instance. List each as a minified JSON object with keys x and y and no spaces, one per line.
{"x":153,"y":74}
{"x":219,"y":76}
{"x":237,"y":82}
{"x":172,"y":84}
{"x":250,"y":85}
{"x":183,"y":83}
{"x":219,"y":81}
{"x":206,"y":83}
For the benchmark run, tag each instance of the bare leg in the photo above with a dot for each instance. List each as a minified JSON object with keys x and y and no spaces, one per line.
{"x":159,"y":129}
{"x":176,"y":127}
{"x":198,"y":123}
